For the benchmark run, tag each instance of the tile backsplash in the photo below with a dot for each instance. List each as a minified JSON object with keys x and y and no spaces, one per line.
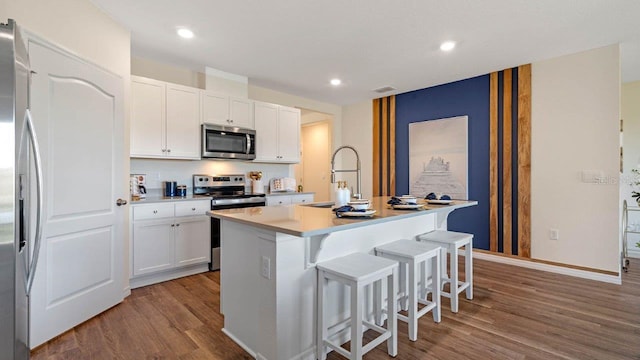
{"x":181,"y":171}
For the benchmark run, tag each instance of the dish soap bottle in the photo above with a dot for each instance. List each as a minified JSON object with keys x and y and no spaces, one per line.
{"x":346,"y":193}
{"x":339,"y":201}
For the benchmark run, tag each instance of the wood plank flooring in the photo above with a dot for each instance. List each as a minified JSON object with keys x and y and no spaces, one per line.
{"x":516,"y":313}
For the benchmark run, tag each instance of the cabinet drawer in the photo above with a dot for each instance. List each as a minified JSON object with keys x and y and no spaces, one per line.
{"x":152,"y":211}
{"x":192,"y":208}
{"x":300,"y":199}
{"x":278,"y":200}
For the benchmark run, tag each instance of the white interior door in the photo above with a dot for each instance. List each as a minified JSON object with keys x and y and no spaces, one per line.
{"x":78,"y":115}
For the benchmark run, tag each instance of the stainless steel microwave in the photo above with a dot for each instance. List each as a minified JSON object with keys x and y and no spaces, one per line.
{"x":226,"y":142}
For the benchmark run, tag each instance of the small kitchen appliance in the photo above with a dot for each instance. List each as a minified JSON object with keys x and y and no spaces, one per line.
{"x":226,"y":142}
{"x":227,"y":192}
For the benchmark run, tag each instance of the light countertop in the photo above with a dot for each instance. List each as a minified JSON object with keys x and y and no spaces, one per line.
{"x":159,"y":199}
{"x":304,"y":220}
{"x":278,"y":193}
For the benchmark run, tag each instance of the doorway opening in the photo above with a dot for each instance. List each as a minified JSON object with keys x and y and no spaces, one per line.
{"x":314,"y":170}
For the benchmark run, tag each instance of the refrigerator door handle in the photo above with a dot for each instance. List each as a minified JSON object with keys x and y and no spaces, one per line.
{"x":39,"y":200}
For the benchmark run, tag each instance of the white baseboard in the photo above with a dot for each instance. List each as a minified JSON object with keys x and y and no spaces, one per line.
{"x":240,"y":343}
{"x":592,"y":275}
{"x":144,"y":280}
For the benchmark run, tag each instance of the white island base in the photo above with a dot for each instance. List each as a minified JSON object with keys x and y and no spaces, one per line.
{"x":268,"y":275}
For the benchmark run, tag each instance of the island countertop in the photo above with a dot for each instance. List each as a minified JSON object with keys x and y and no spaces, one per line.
{"x":307,"y":220}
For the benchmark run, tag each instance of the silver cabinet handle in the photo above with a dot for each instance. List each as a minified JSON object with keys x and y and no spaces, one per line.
{"x":177,"y":224}
{"x":121,"y":202}
{"x":39,"y":200}
{"x":193,"y":209}
{"x":155,"y":211}
{"x":168,"y":150}
{"x":164,"y":150}
{"x":172,"y":225}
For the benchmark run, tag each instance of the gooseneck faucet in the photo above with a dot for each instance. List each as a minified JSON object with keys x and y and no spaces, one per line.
{"x":358,"y":194}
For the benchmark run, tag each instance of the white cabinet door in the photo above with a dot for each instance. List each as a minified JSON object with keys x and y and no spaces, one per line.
{"x":266,"y":125}
{"x":240,"y":112}
{"x":153,"y":246}
{"x":147,"y":117}
{"x":275,"y":200}
{"x":78,"y":112}
{"x":192,"y":241}
{"x":183,"y":122}
{"x":289,"y":134}
{"x":215,"y":108}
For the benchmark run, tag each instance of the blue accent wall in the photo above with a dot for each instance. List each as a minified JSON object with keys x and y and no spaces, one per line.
{"x":468,"y":97}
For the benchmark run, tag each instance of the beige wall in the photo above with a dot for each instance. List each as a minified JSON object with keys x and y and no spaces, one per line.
{"x":631,"y":143}
{"x":357,"y":131}
{"x":169,"y":73}
{"x":575,"y":128}
{"x":77,"y":26}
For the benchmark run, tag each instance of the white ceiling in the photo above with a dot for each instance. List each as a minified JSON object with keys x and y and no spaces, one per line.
{"x":297,"y":46}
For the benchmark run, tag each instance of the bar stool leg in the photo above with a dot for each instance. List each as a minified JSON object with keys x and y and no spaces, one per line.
{"x":443,"y":264}
{"x":404,"y":300}
{"x":321,"y":331}
{"x":413,"y":302}
{"x":392,"y":316}
{"x":377,"y":302}
{"x":357,"y":294}
{"x":453,"y":290}
{"x":436,"y":279}
{"x":423,"y":280}
{"x":468,"y":267}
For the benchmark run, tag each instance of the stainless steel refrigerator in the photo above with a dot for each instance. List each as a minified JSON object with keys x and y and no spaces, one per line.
{"x":20,"y":195}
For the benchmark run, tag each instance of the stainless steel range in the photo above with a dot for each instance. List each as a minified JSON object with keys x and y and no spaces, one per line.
{"x":228,"y":192}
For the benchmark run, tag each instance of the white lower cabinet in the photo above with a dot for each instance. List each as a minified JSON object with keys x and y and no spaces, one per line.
{"x":274,"y":200}
{"x":169,"y":240}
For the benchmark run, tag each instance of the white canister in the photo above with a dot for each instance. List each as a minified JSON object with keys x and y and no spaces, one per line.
{"x":257,"y":187}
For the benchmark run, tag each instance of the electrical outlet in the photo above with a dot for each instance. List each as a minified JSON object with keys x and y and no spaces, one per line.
{"x":554,"y":234}
{"x":265,"y":266}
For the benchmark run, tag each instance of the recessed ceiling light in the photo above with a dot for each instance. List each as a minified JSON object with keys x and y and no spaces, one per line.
{"x":336,"y":82}
{"x":185,"y":33}
{"x":447,"y":45}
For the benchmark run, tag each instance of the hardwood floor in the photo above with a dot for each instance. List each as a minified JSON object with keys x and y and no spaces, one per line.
{"x":516,"y":313}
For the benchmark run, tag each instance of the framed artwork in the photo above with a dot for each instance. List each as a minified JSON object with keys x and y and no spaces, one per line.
{"x":438,"y":157}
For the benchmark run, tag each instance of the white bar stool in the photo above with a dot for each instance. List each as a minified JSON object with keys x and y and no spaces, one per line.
{"x":412,"y":255}
{"x":452,"y":241}
{"x":357,"y":271}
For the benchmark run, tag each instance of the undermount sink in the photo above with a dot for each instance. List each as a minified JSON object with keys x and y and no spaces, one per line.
{"x":320,"y":205}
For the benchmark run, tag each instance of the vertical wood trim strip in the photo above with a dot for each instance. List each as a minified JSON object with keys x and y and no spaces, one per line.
{"x":524,"y":160}
{"x":493,"y":162}
{"x":507,"y":191}
{"x":392,"y":146}
{"x":376,"y":147}
{"x":385,"y":146}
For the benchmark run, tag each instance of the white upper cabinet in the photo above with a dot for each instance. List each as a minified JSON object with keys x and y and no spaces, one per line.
{"x":221,"y":109}
{"x":277,"y":133}
{"x":289,"y":134}
{"x":165,"y":120}
{"x":183,"y":122}
{"x":147,"y":117}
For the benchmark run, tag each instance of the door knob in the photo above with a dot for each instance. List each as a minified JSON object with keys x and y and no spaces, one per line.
{"x":121,"y":202}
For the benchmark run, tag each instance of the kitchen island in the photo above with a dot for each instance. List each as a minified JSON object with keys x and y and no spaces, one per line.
{"x":268,"y":276}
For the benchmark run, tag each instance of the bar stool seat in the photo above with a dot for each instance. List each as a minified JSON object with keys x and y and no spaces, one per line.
{"x":451,"y":242}
{"x":357,"y":271}
{"x":413,"y":255}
